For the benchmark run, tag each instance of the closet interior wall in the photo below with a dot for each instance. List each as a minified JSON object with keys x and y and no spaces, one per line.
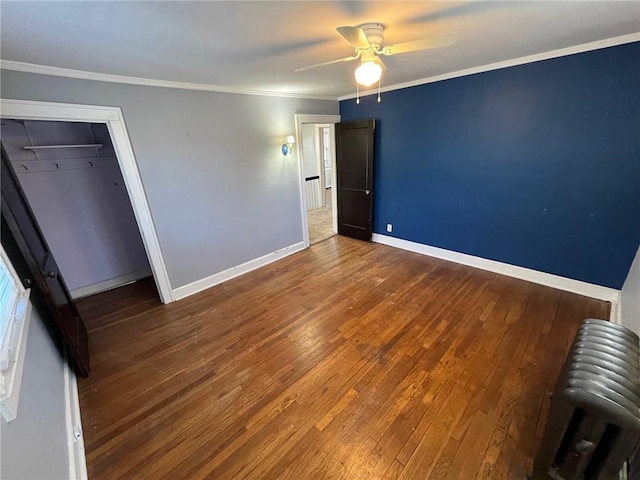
{"x":72,"y":180}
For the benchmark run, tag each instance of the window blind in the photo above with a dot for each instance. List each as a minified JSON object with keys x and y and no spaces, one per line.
{"x":9,"y":295}
{"x":15,"y":312}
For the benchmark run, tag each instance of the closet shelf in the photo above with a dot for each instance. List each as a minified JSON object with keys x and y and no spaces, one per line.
{"x":43,"y":147}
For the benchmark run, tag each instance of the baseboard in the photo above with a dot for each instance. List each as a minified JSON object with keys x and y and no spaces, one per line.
{"x":108,"y":284}
{"x":615,"y":315}
{"x":215,"y":279}
{"x":75,"y":438}
{"x":555,"y":281}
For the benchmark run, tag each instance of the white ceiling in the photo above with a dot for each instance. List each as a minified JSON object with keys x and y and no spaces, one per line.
{"x":258,"y":45}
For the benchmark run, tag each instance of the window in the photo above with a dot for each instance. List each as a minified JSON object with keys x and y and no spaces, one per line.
{"x":15,"y":310}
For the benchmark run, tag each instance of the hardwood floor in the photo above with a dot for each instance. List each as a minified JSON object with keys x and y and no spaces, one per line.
{"x":348,"y":360}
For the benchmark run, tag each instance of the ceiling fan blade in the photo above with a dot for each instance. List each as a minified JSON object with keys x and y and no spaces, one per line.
{"x":355,"y":36}
{"x":346,"y":59}
{"x":423,"y":44}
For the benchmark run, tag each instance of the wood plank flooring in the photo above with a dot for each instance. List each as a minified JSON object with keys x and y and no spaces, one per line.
{"x":346,"y":361}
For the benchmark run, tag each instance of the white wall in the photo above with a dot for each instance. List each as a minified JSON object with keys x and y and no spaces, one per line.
{"x":219,"y":190}
{"x":34,"y":445}
{"x":630,"y":297}
{"x":310,"y":150}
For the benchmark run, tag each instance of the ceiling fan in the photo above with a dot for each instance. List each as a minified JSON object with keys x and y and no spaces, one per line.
{"x":367,"y":39}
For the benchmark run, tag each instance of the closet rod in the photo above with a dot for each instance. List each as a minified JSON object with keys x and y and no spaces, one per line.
{"x":42,"y":147}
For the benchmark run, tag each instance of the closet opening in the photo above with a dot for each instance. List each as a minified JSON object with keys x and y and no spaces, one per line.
{"x":75,"y":188}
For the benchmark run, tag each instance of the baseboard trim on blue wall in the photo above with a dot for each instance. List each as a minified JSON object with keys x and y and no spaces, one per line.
{"x":555,"y":281}
{"x":208,"y":282}
{"x":615,"y":314}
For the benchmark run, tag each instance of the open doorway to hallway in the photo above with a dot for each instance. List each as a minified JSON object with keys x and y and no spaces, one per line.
{"x":318,"y":166}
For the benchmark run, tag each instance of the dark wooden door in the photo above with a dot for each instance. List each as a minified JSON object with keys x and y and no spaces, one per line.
{"x":354,"y":172}
{"x":43,"y":267}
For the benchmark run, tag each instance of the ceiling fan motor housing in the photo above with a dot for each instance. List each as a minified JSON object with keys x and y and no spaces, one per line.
{"x":373,"y":31}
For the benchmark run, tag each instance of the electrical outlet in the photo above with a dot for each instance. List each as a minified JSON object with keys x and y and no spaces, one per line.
{"x":389,"y":228}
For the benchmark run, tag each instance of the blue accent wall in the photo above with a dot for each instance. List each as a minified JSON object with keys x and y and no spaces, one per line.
{"x":536,"y":165}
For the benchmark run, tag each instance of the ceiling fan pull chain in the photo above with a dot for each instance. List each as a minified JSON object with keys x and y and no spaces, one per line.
{"x":378,"y":90}
{"x":357,"y":93}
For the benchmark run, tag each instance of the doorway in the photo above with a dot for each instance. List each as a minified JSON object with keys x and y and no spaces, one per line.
{"x":113,"y":118}
{"x":318,"y":173}
{"x":72,"y":182}
{"x":316,"y":154}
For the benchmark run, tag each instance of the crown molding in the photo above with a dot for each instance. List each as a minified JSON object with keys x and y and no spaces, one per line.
{"x":149,"y":82}
{"x":105,"y":77}
{"x":562,"y":52}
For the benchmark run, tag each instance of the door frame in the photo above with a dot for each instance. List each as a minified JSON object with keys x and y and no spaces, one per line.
{"x":319,"y":143}
{"x":331,"y":120}
{"x":113,"y":118}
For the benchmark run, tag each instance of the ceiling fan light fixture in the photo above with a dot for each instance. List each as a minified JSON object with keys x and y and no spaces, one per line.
{"x":368,"y":73}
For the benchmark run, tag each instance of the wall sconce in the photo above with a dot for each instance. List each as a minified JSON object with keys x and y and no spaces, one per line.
{"x":287,"y":147}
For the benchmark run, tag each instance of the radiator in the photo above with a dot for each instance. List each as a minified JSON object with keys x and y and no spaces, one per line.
{"x":312,"y":192}
{"x":594,"y":419}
